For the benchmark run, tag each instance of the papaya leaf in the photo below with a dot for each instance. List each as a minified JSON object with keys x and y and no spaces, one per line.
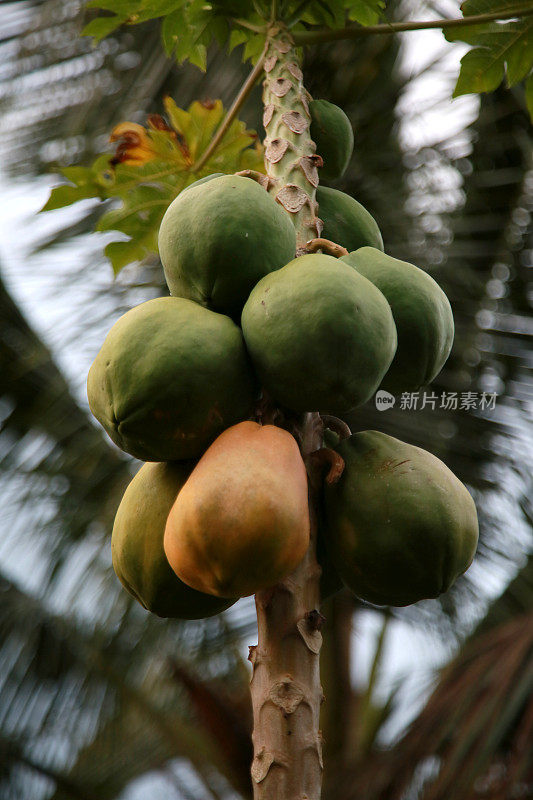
{"x":334,"y":13}
{"x":120,"y":254}
{"x":253,"y":48}
{"x":500,"y":49}
{"x":150,"y":167}
{"x":88,"y":182}
{"x":101,"y":27}
{"x":62,"y":196}
{"x":366,"y":12}
{"x":237,"y":37}
{"x":326,"y":12}
{"x":188,"y":26}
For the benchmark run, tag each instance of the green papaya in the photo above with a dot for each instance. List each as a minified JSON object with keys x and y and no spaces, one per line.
{"x":421,"y":311}
{"x":137,"y":545}
{"x":400,"y":527}
{"x":318,"y":339}
{"x":218,"y":238}
{"x":332,"y":132}
{"x":346,"y":221}
{"x":331,"y":438}
{"x":205,"y":179}
{"x":170,"y":377}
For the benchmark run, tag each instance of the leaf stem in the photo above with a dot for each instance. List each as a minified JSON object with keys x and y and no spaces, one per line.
{"x":244,"y":91}
{"x":326,"y":35}
{"x":243,"y":23}
{"x":295,"y":16}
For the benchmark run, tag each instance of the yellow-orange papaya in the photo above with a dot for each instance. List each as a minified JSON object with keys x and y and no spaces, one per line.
{"x":241,"y":521}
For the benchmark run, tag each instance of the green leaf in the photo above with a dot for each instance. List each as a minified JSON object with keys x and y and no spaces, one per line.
{"x":253,"y":48}
{"x":241,"y":8}
{"x":88,"y":182}
{"x":102,"y":26}
{"x":120,"y":254}
{"x":501,"y":49}
{"x":124,"y":8}
{"x":62,"y":196}
{"x":366,"y":12}
{"x":151,"y":167}
{"x":332,"y":13}
{"x":479,"y":73}
{"x":170,"y":28}
{"x":237,"y":37}
{"x":190,"y":26}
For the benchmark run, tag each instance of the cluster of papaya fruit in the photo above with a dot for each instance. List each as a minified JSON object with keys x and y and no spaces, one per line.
{"x":220,"y":510}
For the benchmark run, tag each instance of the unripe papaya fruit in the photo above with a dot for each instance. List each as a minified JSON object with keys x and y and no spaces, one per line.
{"x":170,"y":376}
{"x":319,"y":340}
{"x":241,"y":521}
{"x":205,"y":179}
{"x":218,"y":238}
{"x":421,"y":311}
{"x":346,"y":221}
{"x":137,"y":545}
{"x":332,"y":132}
{"x":400,"y":526}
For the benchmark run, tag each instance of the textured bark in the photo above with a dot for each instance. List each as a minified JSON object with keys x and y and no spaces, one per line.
{"x":290,"y":154}
{"x":285,"y":686}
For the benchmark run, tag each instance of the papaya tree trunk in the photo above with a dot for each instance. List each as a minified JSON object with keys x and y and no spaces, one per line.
{"x":285,"y":686}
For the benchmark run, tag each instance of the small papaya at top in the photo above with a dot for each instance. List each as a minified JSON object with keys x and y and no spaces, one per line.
{"x":219,"y":237}
{"x":422,"y":314}
{"x":205,"y":179}
{"x":332,"y":132}
{"x":346,"y":221}
{"x":318,"y":339}
{"x":139,"y":560}
{"x":241,"y":521}
{"x":399,"y":526}
{"x":169,"y":377}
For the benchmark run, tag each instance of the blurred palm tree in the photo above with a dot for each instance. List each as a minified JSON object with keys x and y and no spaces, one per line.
{"x":96,"y":695}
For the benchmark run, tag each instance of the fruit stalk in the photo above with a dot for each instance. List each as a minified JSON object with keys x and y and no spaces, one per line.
{"x":285,"y":686}
{"x":291,"y":160}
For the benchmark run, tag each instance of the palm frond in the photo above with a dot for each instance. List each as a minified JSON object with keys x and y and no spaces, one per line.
{"x":473,"y":727}
{"x":107,"y":699}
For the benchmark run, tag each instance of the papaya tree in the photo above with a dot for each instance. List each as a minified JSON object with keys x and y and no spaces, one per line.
{"x":285,"y":314}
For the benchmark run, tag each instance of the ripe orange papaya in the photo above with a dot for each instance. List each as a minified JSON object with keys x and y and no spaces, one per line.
{"x":241,"y":521}
{"x":137,"y":545}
